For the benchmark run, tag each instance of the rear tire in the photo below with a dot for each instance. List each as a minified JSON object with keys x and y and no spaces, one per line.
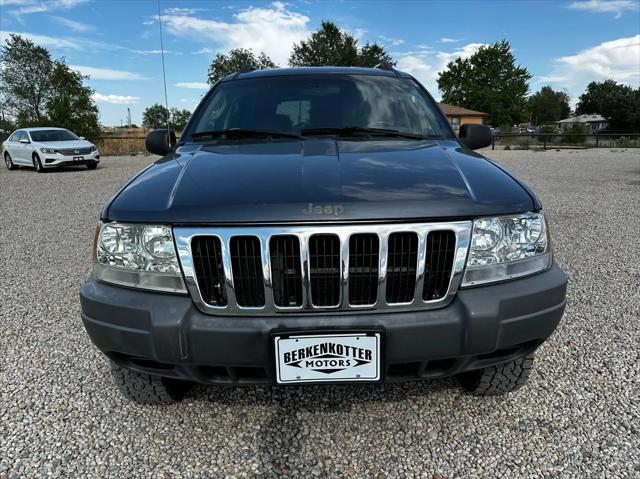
{"x":9,"y":162}
{"x":37,"y":164}
{"x":499,"y":379}
{"x":147,"y":389}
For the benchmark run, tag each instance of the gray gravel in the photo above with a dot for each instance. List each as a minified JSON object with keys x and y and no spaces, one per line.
{"x":60,"y":415}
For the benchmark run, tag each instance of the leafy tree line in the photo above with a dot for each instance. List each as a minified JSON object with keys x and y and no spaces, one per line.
{"x":328,"y":46}
{"x":157,"y":116}
{"x":36,"y":90}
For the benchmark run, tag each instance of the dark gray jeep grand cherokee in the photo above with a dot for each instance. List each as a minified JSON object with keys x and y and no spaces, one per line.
{"x":321,"y":225}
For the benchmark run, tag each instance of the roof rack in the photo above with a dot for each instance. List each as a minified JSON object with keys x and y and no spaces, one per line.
{"x":388,"y":67}
{"x":246,"y":68}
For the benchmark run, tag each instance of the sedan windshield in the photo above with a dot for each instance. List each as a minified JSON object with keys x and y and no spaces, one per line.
{"x":52,"y":135}
{"x":315,"y":105}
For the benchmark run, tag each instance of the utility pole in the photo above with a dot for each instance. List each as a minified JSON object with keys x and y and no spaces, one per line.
{"x":129,"y":117}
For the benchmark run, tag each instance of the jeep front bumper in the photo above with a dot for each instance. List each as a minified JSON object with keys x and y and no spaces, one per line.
{"x":165,"y":334}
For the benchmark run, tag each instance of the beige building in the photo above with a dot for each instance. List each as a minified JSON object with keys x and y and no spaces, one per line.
{"x":459,"y":116}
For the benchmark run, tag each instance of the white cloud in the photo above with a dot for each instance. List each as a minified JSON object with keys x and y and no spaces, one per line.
{"x":618,"y":60}
{"x":192,"y":85}
{"x":449,"y":40}
{"x":204,"y":51}
{"x":26,"y":7}
{"x":45,"y":40}
{"x":117,"y":99}
{"x":606,"y":6}
{"x":72,"y":24}
{"x":273,"y":30}
{"x":388,"y":41}
{"x":107,"y":73}
{"x":426,"y":64}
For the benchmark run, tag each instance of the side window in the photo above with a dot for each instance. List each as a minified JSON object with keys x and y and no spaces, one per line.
{"x":20,"y":135}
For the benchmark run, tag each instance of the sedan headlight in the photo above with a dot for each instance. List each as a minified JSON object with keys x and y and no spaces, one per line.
{"x":507,"y":247}
{"x":48,"y":150}
{"x":139,"y":256}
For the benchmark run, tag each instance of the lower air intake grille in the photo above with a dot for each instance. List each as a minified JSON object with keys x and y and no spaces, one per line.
{"x":286,"y":271}
{"x":246,"y":263}
{"x":207,"y":262}
{"x":438,"y":264}
{"x":402,"y":261}
{"x":324,"y":259}
{"x":363,"y":269}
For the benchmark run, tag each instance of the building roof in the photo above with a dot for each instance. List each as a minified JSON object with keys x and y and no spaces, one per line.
{"x":584,"y":119}
{"x":459,"y":111}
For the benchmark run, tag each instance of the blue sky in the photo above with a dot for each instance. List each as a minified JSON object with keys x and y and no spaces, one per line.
{"x":116,"y":42}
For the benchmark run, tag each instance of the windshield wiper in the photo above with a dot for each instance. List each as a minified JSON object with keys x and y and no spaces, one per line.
{"x":354,"y":130}
{"x":243,"y":132}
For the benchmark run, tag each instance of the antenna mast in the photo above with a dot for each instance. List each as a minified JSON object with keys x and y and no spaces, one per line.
{"x":164,"y":75}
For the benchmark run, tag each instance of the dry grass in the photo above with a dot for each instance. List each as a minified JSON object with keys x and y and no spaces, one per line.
{"x":120,"y":146}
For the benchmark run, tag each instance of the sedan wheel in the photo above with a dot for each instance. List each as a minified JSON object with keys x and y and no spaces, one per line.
{"x":9,"y":162}
{"x":37,"y":164}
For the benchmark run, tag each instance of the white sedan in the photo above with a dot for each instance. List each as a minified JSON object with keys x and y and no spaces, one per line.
{"x":43,"y":148}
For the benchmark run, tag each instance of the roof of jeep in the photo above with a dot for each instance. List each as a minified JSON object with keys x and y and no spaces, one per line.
{"x":272,"y":72}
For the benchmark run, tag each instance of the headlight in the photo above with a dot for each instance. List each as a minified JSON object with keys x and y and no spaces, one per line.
{"x":139,"y":256}
{"x":93,"y":148}
{"x":507,"y":247}
{"x":48,"y":150}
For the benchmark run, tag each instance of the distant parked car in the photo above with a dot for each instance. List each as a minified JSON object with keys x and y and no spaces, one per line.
{"x":43,"y":148}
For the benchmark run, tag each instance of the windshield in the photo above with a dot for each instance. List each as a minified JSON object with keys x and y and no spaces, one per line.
{"x":52,"y":135}
{"x":322,"y":103}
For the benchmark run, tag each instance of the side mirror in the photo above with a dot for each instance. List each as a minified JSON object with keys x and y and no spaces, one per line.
{"x":81,"y":138}
{"x":24,"y":141}
{"x":160,"y":142}
{"x":475,"y":136}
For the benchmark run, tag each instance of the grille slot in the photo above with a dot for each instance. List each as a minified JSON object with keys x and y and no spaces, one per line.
{"x":207,"y":262}
{"x":246,"y":263}
{"x":324,"y":260}
{"x":402,"y":262}
{"x":363,"y":269}
{"x":438,"y":264}
{"x":286,"y":271}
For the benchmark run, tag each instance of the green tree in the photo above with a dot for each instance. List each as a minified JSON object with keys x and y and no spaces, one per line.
{"x":70,"y":104}
{"x":329,"y":46}
{"x":155,"y":116}
{"x":489,"y":81}
{"x":548,"y":106}
{"x":36,"y":90}
{"x":235,"y":60}
{"x":619,"y":104}
{"x":179,"y":119}
{"x":25,"y":78}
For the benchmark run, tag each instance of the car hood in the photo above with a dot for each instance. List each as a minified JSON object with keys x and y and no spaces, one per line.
{"x":63,"y":145}
{"x":318,"y":180}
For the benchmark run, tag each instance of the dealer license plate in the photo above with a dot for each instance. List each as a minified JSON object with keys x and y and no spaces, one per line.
{"x":327,"y":358}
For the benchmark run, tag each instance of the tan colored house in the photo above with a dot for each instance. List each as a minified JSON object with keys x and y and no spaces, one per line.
{"x":459,"y":116}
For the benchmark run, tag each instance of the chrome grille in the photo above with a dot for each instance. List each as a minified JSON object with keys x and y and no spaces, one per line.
{"x":314,"y":268}
{"x":75,"y":151}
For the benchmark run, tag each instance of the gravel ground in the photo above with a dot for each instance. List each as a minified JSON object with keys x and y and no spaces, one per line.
{"x":60,"y":415}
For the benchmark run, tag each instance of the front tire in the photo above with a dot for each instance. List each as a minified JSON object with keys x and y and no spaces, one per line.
{"x":37,"y":164}
{"x":499,"y":379}
{"x":92,"y":166}
{"x":148,"y":389}
{"x":9,"y":162}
